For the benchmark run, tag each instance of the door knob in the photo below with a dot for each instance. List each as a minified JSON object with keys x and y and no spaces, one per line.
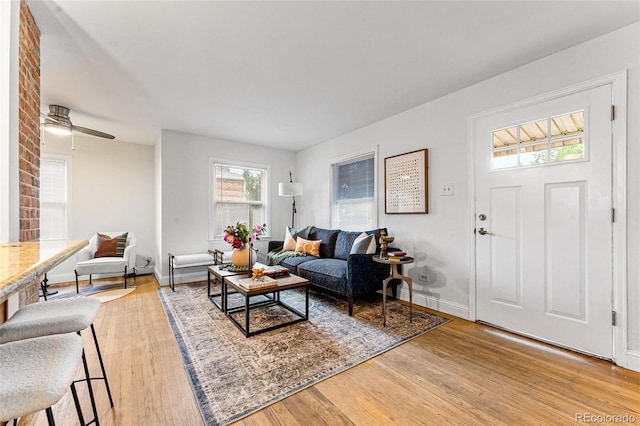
{"x":483,"y":231}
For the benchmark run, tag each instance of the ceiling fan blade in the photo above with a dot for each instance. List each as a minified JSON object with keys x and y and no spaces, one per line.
{"x":93,"y":132}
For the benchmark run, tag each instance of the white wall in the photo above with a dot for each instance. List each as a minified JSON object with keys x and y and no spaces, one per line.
{"x":157,"y":162}
{"x":9,"y":62}
{"x":184,"y":193}
{"x":112,"y":190}
{"x":441,"y":240}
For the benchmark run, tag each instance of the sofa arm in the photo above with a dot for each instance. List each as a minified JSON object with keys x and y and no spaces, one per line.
{"x":84,"y":254}
{"x":364,"y":275}
{"x":130,"y":256}
{"x":274,"y":245}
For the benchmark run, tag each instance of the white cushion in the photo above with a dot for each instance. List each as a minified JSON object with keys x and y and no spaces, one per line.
{"x":189,"y":260}
{"x":58,"y":316}
{"x":101,"y":265}
{"x":36,"y":373}
{"x":372,"y":244}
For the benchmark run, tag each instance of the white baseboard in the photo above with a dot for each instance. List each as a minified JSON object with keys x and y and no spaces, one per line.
{"x":633,"y":360}
{"x":445,"y":306}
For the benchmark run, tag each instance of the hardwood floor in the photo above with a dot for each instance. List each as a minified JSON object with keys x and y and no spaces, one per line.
{"x":462,"y":373}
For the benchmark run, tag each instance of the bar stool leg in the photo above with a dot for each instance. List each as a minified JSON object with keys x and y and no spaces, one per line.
{"x":50,"y":417}
{"x":77,"y":403}
{"x":90,"y":387}
{"x":104,"y":373}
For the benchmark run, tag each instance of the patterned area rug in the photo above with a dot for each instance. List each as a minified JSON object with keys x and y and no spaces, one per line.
{"x":233,"y":376}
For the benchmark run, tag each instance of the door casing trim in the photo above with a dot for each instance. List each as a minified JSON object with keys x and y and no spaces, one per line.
{"x":618,"y":83}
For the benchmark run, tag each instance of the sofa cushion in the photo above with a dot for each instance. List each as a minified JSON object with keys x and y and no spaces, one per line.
{"x":101,"y":265}
{"x":106,"y":246}
{"x":190,"y":260}
{"x":122,"y":244}
{"x":290,"y":236}
{"x":344,"y":242}
{"x":364,"y":244}
{"x":376,"y":236}
{"x":289,"y":242}
{"x":292,"y":263}
{"x":327,"y":239}
{"x":330,"y":274}
{"x":309,"y":247}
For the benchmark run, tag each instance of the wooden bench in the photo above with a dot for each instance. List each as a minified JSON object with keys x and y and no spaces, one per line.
{"x":212,"y":257}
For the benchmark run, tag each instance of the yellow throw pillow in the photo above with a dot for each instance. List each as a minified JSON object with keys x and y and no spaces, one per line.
{"x":312,"y":248}
{"x":289,"y":242}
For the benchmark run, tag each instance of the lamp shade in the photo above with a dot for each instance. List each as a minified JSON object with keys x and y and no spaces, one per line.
{"x":289,"y":189}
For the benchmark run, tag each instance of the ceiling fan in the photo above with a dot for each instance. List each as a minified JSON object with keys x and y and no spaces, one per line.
{"x":57,"y":121}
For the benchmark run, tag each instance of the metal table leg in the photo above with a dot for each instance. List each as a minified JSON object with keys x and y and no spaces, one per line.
{"x":408,"y":280}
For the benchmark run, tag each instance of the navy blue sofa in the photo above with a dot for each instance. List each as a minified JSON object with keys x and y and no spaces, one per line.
{"x":337,"y":271}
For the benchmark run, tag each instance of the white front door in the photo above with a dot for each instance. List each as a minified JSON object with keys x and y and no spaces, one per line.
{"x":543,"y":201}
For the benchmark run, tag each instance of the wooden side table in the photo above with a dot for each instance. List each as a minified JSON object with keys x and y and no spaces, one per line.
{"x":394,"y":274}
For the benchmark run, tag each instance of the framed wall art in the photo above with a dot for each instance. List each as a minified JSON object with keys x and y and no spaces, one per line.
{"x":405,"y":183}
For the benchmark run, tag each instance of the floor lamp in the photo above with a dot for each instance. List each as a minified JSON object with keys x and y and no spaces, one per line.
{"x":290,"y":189}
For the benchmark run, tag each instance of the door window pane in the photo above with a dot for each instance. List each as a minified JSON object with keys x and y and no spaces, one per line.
{"x":534,"y":154}
{"x":567,"y":149}
{"x":505,"y":137}
{"x":534,"y":131}
{"x":504,"y":159}
{"x":550,"y":140}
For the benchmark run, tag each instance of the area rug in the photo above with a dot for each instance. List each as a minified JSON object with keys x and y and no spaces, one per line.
{"x":105,"y":292}
{"x":233,"y":376}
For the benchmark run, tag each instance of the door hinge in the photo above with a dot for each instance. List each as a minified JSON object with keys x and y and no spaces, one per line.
{"x":613,"y":112}
{"x":614,"y":318}
{"x":613,"y":215}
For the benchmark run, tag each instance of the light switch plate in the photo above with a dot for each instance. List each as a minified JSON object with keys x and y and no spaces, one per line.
{"x":447,"y":189}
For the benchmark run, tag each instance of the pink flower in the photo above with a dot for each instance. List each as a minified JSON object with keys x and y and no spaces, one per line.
{"x":239,"y":234}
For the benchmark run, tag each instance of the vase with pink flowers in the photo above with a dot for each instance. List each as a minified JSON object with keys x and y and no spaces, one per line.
{"x":241,"y":236}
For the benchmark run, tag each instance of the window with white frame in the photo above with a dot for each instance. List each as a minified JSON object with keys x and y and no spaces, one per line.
{"x":238,"y":194}
{"x":354,"y":198}
{"x":55,"y":181}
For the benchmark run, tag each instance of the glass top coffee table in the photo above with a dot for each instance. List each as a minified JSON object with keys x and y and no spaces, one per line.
{"x":283,"y":283}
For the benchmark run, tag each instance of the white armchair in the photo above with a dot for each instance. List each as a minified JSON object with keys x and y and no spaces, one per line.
{"x":87,"y":264}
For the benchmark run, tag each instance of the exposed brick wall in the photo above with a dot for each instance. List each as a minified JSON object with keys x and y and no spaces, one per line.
{"x":29,"y":137}
{"x":29,"y":125}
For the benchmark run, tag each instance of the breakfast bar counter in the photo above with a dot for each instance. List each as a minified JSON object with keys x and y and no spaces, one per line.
{"x":21,"y":263}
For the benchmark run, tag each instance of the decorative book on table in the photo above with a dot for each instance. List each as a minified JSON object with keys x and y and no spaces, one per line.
{"x":250,"y":284}
{"x":272,"y":271}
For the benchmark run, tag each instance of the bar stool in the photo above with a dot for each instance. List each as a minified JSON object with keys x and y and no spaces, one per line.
{"x":58,"y":317}
{"x":36,"y":373}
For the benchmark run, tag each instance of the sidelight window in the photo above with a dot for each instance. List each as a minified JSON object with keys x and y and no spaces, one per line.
{"x":55,"y":184}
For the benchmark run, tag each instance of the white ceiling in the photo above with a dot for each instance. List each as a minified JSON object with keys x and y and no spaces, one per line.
{"x":288,"y":74}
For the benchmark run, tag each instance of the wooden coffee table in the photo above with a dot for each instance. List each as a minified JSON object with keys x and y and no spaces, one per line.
{"x":284,"y":283}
